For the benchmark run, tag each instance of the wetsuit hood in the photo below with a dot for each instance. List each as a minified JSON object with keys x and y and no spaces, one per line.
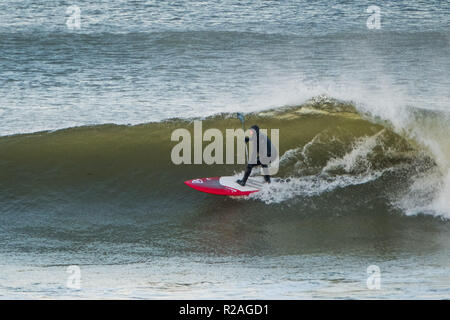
{"x":256,"y":128}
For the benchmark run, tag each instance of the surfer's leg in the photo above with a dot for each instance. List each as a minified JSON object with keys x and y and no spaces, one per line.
{"x":266,"y":173}
{"x":243,"y":181}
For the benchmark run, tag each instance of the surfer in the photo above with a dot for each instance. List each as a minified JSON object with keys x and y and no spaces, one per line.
{"x":263,"y":152}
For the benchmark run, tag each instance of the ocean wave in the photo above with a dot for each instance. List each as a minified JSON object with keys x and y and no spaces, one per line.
{"x":325,"y":145}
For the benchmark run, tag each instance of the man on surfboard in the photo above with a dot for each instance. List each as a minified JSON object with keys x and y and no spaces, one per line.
{"x":262,"y":153}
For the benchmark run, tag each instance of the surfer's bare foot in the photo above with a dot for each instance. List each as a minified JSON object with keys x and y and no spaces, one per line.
{"x":242,"y":183}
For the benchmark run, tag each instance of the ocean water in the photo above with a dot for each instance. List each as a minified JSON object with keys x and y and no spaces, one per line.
{"x":86,"y":179}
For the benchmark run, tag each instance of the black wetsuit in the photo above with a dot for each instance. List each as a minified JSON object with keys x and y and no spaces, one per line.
{"x":258,"y":162}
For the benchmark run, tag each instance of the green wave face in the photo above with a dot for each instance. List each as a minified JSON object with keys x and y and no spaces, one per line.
{"x":326,"y":147}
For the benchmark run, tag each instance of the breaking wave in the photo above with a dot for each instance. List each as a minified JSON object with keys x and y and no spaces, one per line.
{"x":326,"y":146}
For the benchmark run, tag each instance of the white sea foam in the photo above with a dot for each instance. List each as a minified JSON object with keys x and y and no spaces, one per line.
{"x":308,"y":186}
{"x":356,"y":157}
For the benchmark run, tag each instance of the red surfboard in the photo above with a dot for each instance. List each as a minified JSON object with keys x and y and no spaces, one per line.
{"x":226,"y":186}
